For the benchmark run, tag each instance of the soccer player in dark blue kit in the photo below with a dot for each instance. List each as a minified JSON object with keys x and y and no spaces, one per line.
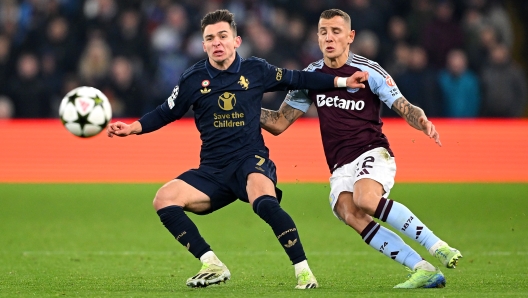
{"x":225,"y":91}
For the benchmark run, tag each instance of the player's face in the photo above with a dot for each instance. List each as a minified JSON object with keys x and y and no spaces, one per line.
{"x":220,"y":44}
{"x":335,"y":37}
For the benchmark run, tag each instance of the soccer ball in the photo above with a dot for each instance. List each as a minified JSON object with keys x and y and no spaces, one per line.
{"x":85,"y":111}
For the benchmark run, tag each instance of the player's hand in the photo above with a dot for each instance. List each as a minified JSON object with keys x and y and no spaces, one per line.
{"x":119,"y":129}
{"x":355,"y":80}
{"x":429,"y":129}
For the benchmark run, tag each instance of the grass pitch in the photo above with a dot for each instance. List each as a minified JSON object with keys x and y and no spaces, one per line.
{"x":105,"y":240}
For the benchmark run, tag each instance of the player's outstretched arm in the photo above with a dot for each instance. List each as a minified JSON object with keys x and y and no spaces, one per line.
{"x":416,"y":118}
{"x":122,"y":129}
{"x":275,"y":122}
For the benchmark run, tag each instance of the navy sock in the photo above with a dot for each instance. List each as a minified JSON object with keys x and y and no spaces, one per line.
{"x":183,"y":229}
{"x":268,"y":208}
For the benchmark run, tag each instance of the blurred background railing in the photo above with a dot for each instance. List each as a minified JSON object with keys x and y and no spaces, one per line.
{"x":463,"y":58}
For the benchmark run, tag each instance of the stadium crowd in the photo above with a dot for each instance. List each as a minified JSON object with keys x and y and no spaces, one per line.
{"x":452,"y":58}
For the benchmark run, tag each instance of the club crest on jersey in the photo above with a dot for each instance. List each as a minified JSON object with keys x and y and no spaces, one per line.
{"x":390,"y":81}
{"x":227,"y":101}
{"x":173,"y":96}
{"x":352,"y":90}
{"x":244,"y":82}
{"x":205,"y":83}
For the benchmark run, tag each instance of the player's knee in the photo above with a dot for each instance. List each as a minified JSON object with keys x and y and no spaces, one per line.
{"x":165,"y":197}
{"x":367,"y":202}
{"x":266,"y":207}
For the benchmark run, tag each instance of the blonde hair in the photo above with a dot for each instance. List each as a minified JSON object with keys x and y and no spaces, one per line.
{"x":95,"y":60}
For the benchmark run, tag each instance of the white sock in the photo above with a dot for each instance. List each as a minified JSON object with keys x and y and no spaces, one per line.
{"x":301,"y":266}
{"x":423,"y":264}
{"x":436,"y":246}
{"x":210,"y":258}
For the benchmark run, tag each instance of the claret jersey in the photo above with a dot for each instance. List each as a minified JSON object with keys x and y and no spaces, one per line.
{"x":227,"y":105}
{"x":349,"y":119}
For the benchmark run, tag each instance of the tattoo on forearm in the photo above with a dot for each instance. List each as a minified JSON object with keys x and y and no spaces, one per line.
{"x":268,"y":116}
{"x":409,"y":112}
{"x":289,"y":113}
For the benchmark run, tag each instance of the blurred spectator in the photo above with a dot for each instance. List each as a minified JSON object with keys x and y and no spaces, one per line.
{"x":460,"y":87}
{"x":365,"y":16}
{"x":94,"y":65}
{"x":473,"y":24}
{"x":130,"y":39}
{"x":419,"y":84}
{"x":10,"y":20}
{"x":398,"y":62}
{"x":366,"y":44}
{"x":505,"y":86}
{"x":397,"y":33}
{"x":7,"y":109}
{"x":125,"y":90}
{"x":442,"y":34}
{"x":6,"y":64}
{"x":262,"y":43}
{"x":100,"y":15}
{"x":167,"y":41}
{"x":71,"y":81}
{"x":60,"y":43}
{"x":30,"y":95}
{"x":419,"y":16}
{"x":53,"y":78}
{"x":495,"y":15}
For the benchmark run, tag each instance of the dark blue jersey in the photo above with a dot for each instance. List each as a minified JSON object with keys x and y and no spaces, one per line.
{"x":227,"y":105}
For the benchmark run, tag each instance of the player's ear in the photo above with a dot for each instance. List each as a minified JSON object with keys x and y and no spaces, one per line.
{"x":203,"y":46}
{"x":238,"y":41}
{"x":351,"y":36}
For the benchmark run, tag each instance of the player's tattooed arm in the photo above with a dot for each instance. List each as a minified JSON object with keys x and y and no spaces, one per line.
{"x":416,"y":118}
{"x":409,"y":112}
{"x":276,"y":122}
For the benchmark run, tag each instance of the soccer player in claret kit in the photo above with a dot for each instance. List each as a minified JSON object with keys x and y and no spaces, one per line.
{"x":358,"y":153}
{"x":225,"y":91}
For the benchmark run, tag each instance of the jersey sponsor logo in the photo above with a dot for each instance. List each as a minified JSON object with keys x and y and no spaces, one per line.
{"x":278,"y":77}
{"x":227,"y":101}
{"x":339,"y":103}
{"x":390,"y":81}
{"x":244,"y":82}
{"x":173,"y":96}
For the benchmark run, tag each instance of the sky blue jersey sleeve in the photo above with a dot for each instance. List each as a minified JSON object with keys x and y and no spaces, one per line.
{"x":298,"y":99}
{"x":383,"y":86}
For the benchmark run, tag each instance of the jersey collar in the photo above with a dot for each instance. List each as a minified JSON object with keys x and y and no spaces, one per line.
{"x":233,"y":68}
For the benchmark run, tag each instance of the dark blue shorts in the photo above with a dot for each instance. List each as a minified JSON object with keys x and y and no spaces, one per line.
{"x":225,"y":185}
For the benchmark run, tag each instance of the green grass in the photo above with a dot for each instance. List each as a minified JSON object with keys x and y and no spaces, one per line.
{"x":105,"y":240}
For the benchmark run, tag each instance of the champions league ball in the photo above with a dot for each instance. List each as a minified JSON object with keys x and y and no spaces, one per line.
{"x":85,"y":111}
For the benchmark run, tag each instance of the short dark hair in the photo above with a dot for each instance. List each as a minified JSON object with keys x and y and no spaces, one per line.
{"x":217,"y":16}
{"x":334,"y":12}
